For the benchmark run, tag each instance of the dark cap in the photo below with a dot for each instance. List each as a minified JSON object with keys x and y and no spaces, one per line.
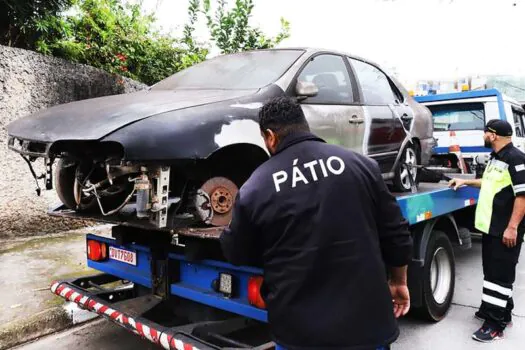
{"x":499,"y":127}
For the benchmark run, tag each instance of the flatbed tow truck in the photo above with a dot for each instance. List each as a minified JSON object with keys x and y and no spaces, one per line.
{"x":175,"y":288}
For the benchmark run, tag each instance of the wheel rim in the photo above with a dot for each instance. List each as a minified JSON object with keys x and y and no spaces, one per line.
{"x":440,"y":275}
{"x":410,"y":159}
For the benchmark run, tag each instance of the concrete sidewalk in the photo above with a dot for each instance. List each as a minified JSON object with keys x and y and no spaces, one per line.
{"x":27,"y":267}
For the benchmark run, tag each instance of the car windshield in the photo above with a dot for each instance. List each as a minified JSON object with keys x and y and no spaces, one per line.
{"x":460,"y":116}
{"x":246,"y":70}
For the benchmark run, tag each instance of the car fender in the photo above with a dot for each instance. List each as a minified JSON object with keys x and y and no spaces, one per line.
{"x":194,"y":133}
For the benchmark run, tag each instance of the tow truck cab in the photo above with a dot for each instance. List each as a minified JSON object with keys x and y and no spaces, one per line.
{"x":462,"y":116}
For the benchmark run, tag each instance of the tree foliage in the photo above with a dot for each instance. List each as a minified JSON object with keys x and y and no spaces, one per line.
{"x":231,"y":31}
{"x":18,"y":19}
{"x":118,"y":37}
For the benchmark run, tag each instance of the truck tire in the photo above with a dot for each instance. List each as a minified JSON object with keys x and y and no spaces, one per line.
{"x":439,"y":275}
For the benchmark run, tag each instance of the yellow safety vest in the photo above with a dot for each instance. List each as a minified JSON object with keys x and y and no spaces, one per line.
{"x":495,"y":178}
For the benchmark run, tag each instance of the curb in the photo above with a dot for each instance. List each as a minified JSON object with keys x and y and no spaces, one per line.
{"x":43,"y":323}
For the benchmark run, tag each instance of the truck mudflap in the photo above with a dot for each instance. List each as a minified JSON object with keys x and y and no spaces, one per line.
{"x":117,"y":306}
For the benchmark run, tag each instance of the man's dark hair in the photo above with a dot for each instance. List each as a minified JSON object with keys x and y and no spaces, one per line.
{"x":282,"y":115}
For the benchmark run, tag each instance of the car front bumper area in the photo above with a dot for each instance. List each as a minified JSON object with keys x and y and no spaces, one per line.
{"x":121,"y":312}
{"x":28,"y":148}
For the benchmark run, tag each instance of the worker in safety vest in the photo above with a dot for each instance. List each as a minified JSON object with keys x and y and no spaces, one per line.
{"x":321,"y":222}
{"x":499,"y":215}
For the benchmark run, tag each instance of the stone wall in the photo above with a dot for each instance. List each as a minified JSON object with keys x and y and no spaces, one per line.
{"x":30,"y":82}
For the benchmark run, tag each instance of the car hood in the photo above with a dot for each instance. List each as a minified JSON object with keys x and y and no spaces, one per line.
{"x":95,"y":118}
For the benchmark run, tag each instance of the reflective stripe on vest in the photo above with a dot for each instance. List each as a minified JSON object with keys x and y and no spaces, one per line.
{"x":495,"y":178}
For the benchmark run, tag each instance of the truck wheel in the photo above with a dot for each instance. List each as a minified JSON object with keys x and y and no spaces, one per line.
{"x":439,"y":275}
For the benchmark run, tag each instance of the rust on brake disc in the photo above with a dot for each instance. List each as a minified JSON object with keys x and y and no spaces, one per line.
{"x":222,"y":194}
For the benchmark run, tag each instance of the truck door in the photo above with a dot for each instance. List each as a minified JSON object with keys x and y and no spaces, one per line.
{"x":333,"y":113}
{"x":518,"y":115}
{"x":382,"y":107}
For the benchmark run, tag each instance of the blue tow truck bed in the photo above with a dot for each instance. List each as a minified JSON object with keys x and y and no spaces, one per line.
{"x":175,"y":289}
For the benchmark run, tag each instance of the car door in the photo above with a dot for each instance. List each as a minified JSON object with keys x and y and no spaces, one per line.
{"x":333,"y":114}
{"x":381,"y":106}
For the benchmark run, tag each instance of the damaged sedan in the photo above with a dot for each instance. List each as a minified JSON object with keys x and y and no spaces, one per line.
{"x":177,"y":153}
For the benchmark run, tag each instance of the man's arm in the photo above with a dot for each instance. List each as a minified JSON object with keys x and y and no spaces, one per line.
{"x":517,"y":175}
{"x":238,"y":239}
{"x":510,"y":235}
{"x":394,"y":234}
{"x":396,"y":245}
{"x":456,"y":183}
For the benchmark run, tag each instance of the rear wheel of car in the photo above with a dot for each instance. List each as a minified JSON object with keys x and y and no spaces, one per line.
{"x":69,"y":190}
{"x":401,"y":179}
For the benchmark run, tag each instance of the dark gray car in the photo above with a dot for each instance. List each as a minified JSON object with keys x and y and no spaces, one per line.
{"x":181,"y":149}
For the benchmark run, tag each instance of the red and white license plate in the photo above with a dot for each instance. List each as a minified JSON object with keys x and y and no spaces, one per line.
{"x":123,"y":255}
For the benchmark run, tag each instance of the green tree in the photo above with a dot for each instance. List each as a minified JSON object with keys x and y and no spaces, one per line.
{"x":231,"y":31}
{"x":117,"y":38}
{"x":18,"y":19}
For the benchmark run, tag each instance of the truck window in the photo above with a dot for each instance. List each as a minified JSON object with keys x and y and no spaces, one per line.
{"x":458,"y":116}
{"x":519,"y":126}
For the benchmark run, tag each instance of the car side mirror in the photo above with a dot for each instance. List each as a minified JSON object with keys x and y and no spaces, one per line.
{"x":305,"y":89}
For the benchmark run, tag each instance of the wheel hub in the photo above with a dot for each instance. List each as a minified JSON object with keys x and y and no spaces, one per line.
{"x":221,"y":200}
{"x":410,"y":159}
{"x":440,"y":275}
{"x":215,"y":200}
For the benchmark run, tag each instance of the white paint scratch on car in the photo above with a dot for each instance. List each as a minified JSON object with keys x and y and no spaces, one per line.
{"x":240,"y":131}
{"x":254,"y":105}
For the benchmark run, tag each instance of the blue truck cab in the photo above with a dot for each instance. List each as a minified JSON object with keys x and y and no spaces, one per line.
{"x":459,"y":118}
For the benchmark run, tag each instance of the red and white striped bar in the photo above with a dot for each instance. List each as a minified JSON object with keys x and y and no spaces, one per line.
{"x":157,"y":337}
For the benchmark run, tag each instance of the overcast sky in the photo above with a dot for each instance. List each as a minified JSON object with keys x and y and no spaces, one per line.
{"x":422,"y":39}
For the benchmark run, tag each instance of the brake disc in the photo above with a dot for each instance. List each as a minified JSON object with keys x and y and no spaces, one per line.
{"x":214,"y":201}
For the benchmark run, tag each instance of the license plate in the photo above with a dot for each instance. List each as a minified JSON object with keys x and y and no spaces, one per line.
{"x":123,"y":255}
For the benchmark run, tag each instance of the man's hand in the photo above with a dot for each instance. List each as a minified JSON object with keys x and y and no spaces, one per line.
{"x":510,"y":236}
{"x":400,"y":298}
{"x":456,"y":183}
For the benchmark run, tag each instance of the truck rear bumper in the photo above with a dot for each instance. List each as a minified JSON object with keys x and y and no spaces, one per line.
{"x":120,"y":311}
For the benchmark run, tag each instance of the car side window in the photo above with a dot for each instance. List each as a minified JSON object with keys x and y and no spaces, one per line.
{"x":374,"y":84}
{"x":330,"y":75}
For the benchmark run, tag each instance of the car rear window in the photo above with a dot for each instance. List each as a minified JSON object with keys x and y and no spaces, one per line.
{"x":246,"y":70}
{"x":459,"y":116}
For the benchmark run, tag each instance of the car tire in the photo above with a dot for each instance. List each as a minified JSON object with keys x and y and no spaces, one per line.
{"x":65,"y":188}
{"x":438,"y":280}
{"x":401,"y":182}
{"x":65,"y":185}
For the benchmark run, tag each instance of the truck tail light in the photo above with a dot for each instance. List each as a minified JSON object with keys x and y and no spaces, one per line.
{"x":96,"y":251}
{"x":254,"y":292}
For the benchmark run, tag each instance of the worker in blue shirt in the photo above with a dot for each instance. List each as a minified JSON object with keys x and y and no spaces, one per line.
{"x":321,"y":222}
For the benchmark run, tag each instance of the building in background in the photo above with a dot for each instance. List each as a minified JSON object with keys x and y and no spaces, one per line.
{"x":512,"y":86}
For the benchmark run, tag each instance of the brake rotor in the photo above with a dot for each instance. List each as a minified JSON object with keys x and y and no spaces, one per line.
{"x":215,"y":201}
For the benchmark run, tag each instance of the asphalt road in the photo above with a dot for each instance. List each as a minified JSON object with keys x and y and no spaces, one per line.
{"x":454,"y":332}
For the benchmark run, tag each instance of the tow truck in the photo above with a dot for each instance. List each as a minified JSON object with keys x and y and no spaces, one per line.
{"x":176,"y":289}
